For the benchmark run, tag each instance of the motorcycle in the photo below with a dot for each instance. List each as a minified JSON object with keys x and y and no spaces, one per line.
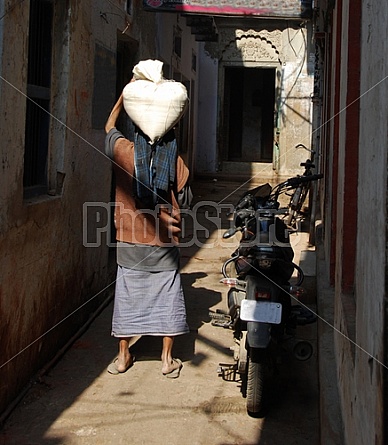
{"x":260,"y":310}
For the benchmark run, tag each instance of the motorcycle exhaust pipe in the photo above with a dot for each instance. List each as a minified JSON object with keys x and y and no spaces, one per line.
{"x":302,"y":350}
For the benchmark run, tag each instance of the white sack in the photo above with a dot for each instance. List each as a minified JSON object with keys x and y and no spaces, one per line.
{"x":149,"y":70}
{"x":154,"y":104}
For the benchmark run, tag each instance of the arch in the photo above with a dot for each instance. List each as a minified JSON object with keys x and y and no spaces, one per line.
{"x":252,"y":46}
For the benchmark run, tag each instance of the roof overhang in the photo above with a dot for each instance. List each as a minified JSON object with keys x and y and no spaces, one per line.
{"x":258,"y":8}
{"x":201,"y":14}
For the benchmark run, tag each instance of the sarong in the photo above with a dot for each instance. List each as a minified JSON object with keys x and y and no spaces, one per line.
{"x":148,"y":303}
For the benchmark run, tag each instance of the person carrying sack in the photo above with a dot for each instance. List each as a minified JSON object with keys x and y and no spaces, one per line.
{"x":149,"y":297}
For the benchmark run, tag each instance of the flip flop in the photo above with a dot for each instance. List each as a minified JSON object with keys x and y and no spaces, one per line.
{"x":112,"y":368}
{"x":174,"y":374}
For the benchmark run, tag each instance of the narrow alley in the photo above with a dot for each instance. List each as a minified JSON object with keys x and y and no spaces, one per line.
{"x":270,"y":86}
{"x":77,"y":402}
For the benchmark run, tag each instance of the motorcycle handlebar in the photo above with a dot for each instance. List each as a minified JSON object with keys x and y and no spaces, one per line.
{"x":244,"y":202}
{"x":307,"y":164}
{"x":294,"y":182}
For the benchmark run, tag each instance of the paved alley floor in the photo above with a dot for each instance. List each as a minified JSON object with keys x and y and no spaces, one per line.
{"x":77,"y":402}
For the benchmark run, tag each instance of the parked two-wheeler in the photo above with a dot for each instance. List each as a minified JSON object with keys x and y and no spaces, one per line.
{"x":260,"y":312}
{"x":299,"y":195}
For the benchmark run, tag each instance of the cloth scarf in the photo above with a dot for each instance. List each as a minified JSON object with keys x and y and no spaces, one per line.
{"x":154,"y":168}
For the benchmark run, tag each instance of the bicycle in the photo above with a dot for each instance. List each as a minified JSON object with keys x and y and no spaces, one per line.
{"x":299,"y":195}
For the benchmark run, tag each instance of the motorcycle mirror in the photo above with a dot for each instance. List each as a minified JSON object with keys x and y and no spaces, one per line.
{"x":229,"y":232}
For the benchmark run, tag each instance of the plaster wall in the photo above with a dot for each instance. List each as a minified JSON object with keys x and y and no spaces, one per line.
{"x":344,"y":307}
{"x":56,"y":266}
{"x":185,"y":67}
{"x":361,"y":317}
{"x":341,"y":151}
{"x":206,"y":159}
{"x":372,"y":221}
{"x":167,"y":23}
{"x":47,"y":274}
{"x":331,"y":164}
{"x":1,"y":38}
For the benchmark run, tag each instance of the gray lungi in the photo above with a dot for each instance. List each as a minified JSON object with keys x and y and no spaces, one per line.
{"x":148,"y":303}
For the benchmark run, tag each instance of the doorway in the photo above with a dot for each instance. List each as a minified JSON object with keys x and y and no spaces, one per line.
{"x":126,"y":56}
{"x":249,"y":106}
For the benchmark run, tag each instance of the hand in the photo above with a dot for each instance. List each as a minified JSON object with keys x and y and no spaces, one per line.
{"x":171,"y":219}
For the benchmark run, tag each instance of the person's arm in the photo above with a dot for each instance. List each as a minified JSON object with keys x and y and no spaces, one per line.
{"x":112,"y":134}
{"x":111,"y":122}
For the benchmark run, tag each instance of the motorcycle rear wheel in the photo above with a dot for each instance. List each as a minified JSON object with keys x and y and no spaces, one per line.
{"x":257,"y":382}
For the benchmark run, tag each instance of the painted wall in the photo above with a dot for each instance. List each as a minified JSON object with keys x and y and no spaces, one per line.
{"x":187,"y":66}
{"x":53,"y":268}
{"x":358,"y":221}
{"x":367,"y":395}
{"x":206,"y":159}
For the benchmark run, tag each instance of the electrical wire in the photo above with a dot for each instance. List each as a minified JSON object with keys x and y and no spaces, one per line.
{"x":11,"y":8}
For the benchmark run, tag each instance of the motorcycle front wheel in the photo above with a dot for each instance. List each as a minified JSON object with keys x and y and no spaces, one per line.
{"x":257,"y":382}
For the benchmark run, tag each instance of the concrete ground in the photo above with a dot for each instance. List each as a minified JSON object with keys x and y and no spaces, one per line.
{"x":77,"y":402}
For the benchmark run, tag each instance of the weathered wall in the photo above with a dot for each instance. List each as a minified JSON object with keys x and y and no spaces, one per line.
{"x":46,"y":272}
{"x":52,"y":278}
{"x":259,"y":44}
{"x":356,"y":211}
{"x":165,"y":41}
{"x":187,"y":69}
{"x":365,"y":390}
{"x":206,"y":159}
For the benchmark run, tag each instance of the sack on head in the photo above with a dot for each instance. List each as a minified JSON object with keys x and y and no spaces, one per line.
{"x":153,"y":103}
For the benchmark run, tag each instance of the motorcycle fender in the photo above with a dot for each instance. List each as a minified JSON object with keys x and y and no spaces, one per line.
{"x":259,"y":334}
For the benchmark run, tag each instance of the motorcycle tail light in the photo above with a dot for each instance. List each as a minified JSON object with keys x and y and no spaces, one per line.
{"x":262,"y":294}
{"x":229,"y":281}
{"x":240,"y":285}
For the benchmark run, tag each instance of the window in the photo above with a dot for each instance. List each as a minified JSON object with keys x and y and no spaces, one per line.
{"x":178,"y":42}
{"x":35,"y":178}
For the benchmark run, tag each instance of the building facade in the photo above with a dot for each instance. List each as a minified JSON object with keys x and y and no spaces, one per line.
{"x":256,"y":107}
